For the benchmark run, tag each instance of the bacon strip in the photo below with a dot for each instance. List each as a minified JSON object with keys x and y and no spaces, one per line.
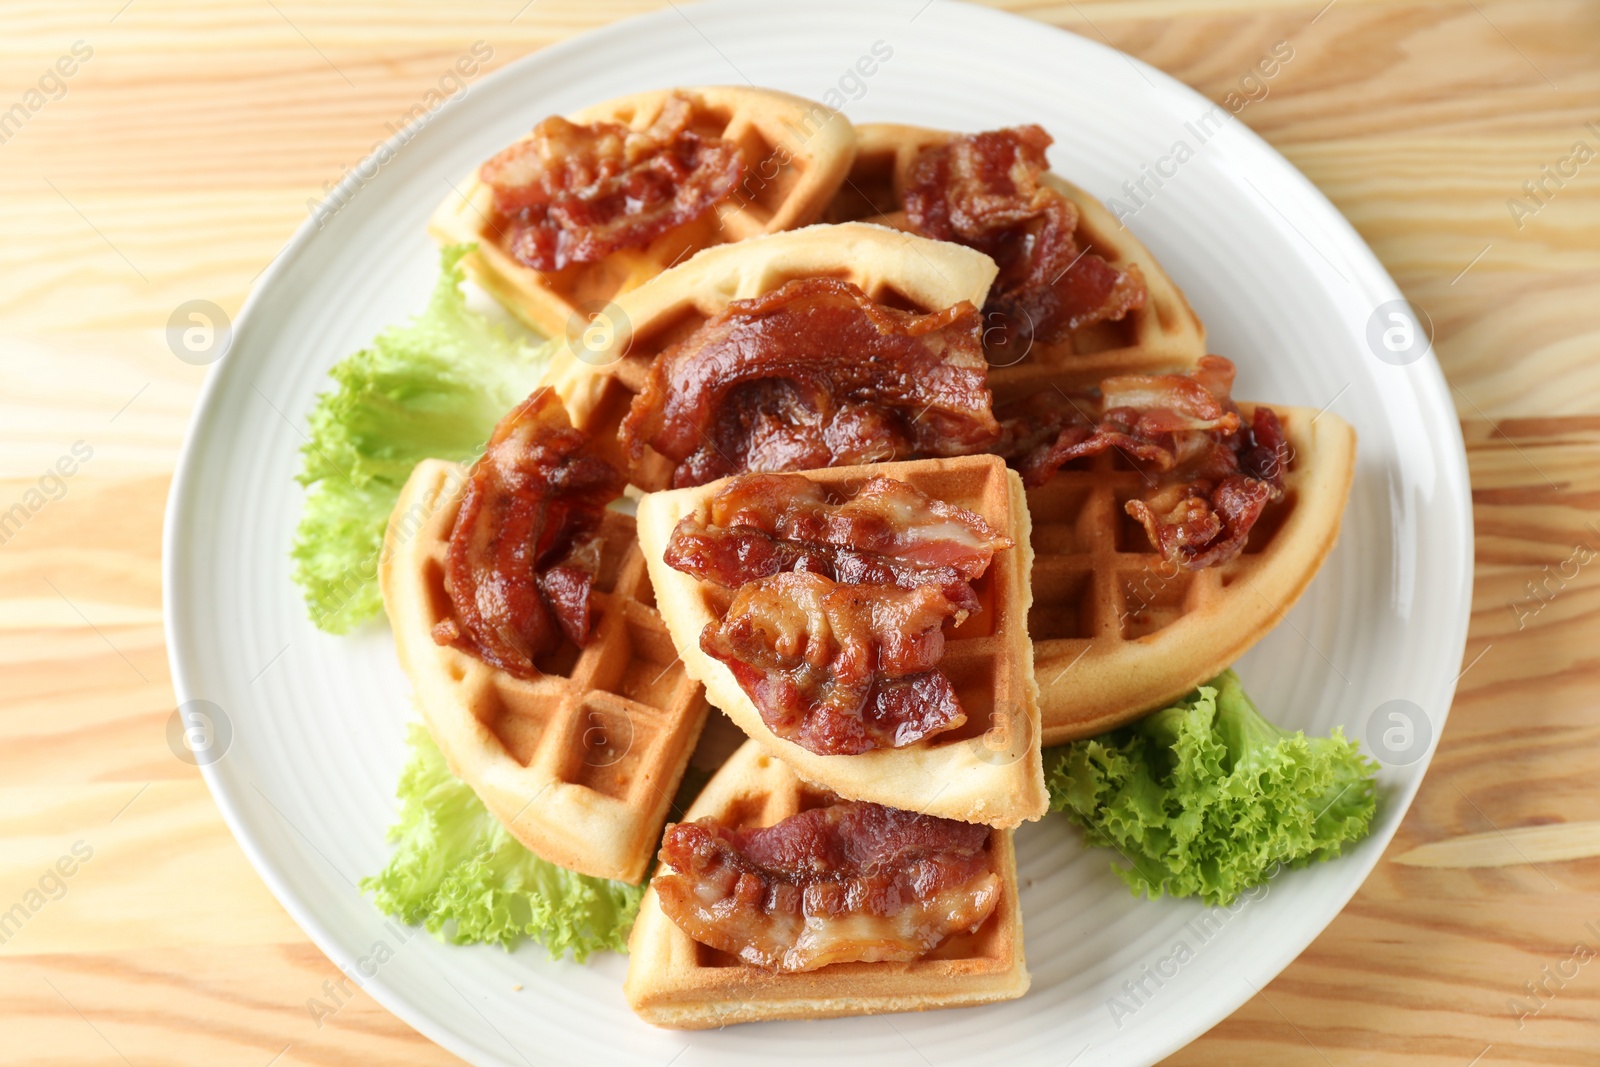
{"x":835,"y":631}
{"x":574,"y":194}
{"x":525,"y":548}
{"x":814,"y":374}
{"x":732,"y":557}
{"x":849,"y":882}
{"x":982,"y":190}
{"x":840,"y":669}
{"x":885,"y":517}
{"x":1211,"y":475}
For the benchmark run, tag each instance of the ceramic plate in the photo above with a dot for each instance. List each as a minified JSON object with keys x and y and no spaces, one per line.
{"x":1287,"y":290}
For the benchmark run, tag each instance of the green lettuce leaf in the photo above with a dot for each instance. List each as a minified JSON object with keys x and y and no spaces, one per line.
{"x":434,"y":387}
{"x":1208,"y":798}
{"x":458,"y":872}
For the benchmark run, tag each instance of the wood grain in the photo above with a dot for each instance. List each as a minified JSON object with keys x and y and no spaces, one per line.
{"x":180,"y":159}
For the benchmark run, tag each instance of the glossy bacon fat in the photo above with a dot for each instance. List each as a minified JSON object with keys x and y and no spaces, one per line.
{"x":526,"y":544}
{"x":814,"y":374}
{"x":1209,"y":474}
{"x":848,"y":882}
{"x":836,"y":626}
{"x":573,"y":194}
{"x":840,"y":669}
{"x":983,"y":191}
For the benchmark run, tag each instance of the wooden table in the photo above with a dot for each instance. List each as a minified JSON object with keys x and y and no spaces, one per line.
{"x":180,"y":158}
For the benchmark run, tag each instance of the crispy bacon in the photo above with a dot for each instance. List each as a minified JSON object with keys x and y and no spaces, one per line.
{"x":573,"y":194}
{"x":849,"y":882}
{"x":1210,"y":475}
{"x":883,"y":517}
{"x":814,"y":374}
{"x":840,"y":669}
{"x":983,"y":190}
{"x":835,"y":631}
{"x":526,"y":544}
{"x":730,"y":557}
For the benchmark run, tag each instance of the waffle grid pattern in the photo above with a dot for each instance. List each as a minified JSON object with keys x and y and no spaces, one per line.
{"x":1096,"y":577}
{"x":805,"y":150}
{"x":581,"y":762}
{"x":601,"y":717}
{"x":986,"y":770}
{"x":1163,"y":333}
{"x":901,"y":271}
{"x":676,"y":981}
{"x":1102,"y":594}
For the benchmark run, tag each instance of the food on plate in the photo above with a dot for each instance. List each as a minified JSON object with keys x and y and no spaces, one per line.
{"x":570,"y":193}
{"x":588,"y":207}
{"x":1076,"y":290}
{"x":983,"y":190}
{"x":776,"y":900}
{"x":458,"y":872}
{"x":810,"y":671}
{"x":1207,"y":798}
{"x":840,"y":668}
{"x":850,"y":882}
{"x":1124,"y":622}
{"x":525,"y":549}
{"x":434,"y":387}
{"x":885,"y":469}
{"x":577,"y":748}
{"x":1209,"y":474}
{"x":763,"y":350}
{"x":814,"y":374}
{"x":836,"y":626}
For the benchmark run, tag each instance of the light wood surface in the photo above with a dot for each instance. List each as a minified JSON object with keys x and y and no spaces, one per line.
{"x":180,"y":159}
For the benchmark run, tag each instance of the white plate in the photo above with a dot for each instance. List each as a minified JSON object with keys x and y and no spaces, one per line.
{"x":1287,"y":290}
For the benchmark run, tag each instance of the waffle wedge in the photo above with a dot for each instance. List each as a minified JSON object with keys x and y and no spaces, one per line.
{"x":582,"y":763}
{"x":1163,"y":334}
{"x":676,"y":982}
{"x":987,"y":770}
{"x":796,"y":153}
{"x":1119,"y":631}
{"x":597,"y":378}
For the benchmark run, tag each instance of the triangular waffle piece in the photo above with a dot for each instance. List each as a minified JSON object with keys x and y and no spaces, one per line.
{"x":582,"y":763}
{"x":674,"y":981}
{"x":1118,"y":631}
{"x":988,"y":770}
{"x":796,"y":153}
{"x":1163,"y":334}
{"x":598,"y":383}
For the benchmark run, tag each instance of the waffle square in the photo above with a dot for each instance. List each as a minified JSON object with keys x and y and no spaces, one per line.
{"x":988,"y":770}
{"x":674,"y":981}
{"x":806,"y":147}
{"x":582,"y":763}
{"x":1163,"y":334}
{"x":1117,"y":630}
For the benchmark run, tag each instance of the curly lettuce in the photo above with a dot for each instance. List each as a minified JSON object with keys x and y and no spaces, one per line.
{"x":457,"y":871}
{"x":1207,"y":798}
{"x":434,"y":387}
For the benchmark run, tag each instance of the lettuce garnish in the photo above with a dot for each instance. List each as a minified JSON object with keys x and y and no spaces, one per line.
{"x":457,"y":871}
{"x":1207,"y":798}
{"x":434,"y":387}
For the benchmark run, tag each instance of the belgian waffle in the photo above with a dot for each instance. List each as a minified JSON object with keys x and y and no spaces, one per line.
{"x":986,"y":771}
{"x":1163,"y":334}
{"x":580,"y":764}
{"x":806,"y":147}
{"x":1117,"y":631}
{"x":598,"y":380}
{"x":676,"y":982}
